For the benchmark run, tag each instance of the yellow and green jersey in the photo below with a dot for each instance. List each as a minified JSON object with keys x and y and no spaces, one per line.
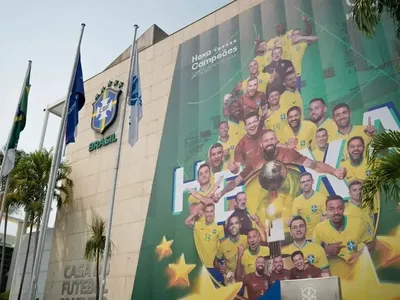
{"x":193,"y":200}
{"x":285,"y":43}
{"x":289,"y":99}
{"x":263,"y":81}
{"x":207,"y":239}
{"x":354,"y":172}
{"x":228,"y":250}
{"x":311,"y":210}
{"x":236,"y":131}
{"x":354,"y":211}
{"x":230,"y":145}
{"x":296,"y":53}
{"x":248,"y":260}
{"x":354,"y":235}
{"x":277,"y":121}
{"x":263,"y":61}
{"x":313,"y":254}
{"x":304,"y":136}
{"x":356,"y":130}
{"x":318,"y":154}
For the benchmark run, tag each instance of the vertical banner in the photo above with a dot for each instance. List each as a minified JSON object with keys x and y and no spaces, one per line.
{"x":263,"y":156}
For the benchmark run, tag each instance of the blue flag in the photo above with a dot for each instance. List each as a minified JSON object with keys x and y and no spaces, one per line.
{"x":135,"y":102}
{"x":76,"y":102}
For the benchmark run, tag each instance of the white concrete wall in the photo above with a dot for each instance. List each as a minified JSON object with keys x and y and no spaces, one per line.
{"x":20,"y":265}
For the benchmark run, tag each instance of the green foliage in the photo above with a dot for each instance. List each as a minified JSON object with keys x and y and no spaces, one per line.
{"x":367,"y":14}
{"x":5,"y":295}
{"x":384,"y":161}
{"x":30,"y":178}
{"x":96,"y":243}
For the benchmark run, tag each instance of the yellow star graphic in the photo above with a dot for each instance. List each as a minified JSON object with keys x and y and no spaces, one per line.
{"x":164,"y":248}
{"x":178,"y":273}
{"x":389,"y":249}
{"x":205,"y":289}
{"x":365,"y":284}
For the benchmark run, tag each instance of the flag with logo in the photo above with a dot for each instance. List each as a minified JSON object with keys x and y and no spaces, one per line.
{"x":17,"y":128}
{"x":135,"y":102}
{"x":76,"y":102}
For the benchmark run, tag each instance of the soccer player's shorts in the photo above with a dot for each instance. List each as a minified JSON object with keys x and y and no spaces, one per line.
{"x":298,"y":79}
{"x":216,"y":274}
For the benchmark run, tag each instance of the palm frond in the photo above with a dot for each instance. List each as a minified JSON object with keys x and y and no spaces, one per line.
{"x":385,"y":176}
{"x":95,"y":245}
{"x":382,"y":143}
{"x":367,"y":15}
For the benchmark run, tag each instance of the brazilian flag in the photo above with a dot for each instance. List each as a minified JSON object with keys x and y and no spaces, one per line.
{"x":17,"y":127}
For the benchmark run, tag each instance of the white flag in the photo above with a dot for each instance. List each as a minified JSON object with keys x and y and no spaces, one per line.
{"x":135,"y":102}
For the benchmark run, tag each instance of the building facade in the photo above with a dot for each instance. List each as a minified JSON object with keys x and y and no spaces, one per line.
{"x":208,"y":90}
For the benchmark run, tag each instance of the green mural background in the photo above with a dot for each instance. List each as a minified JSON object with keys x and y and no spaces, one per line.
{"x":343,"y":66}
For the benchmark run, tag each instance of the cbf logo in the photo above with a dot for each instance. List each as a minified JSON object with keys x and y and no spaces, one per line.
{"x":105,"y":107}
{"x":311,"y":259}
{"x":351,"y":246}
{"x":314,"y":208}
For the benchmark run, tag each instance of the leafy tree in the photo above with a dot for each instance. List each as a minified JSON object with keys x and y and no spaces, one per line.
{"x":367,"y":15}
{"x":384,"y":162}
{"x":96,"y":244}
{"x":30,"y":179}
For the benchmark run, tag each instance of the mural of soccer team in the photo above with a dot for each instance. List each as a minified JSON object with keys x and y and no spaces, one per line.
{"x":265,"y":121}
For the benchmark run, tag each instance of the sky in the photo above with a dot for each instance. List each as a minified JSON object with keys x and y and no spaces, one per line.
{"x":47,"y":33}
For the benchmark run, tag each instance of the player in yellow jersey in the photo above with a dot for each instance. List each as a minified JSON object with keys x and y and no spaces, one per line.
{"x":263,"y":78}
{"x":283,"y":37}
{"x":262,"y":56}
{"x":207,"y":235}
{"x":345,"y":130}
{"x":310,"y":205}
{"x":297,"y":50}
{"x":216,"y":158}
{"x":228,"y":142}
{"x":300,"y":133}
{"x":275,"y":117}
{"x":321,"y":140}
{"x":318,"y":115}
{"x":353,"y":206}
{"x":291,"y":96}
{"x":313,"y":253}
{"x":356,"y":164}
{"x":233,"y":110}
{"x":226,"y":256}
{"x":246,"y":258}
{"x":199,"y":199}
{"x":341,"y":236}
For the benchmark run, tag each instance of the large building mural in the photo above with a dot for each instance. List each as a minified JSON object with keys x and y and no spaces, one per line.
{"x":263,"y":156}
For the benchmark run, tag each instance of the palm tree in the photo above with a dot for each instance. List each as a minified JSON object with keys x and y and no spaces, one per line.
{"x":12,"y":205}
{"x":31,"y":176}
{"x":367,"y":15}
{"x":96,"y":244}
{"x":385,"y":169}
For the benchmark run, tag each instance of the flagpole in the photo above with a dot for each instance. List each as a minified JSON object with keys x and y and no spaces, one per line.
{"x":3,"y":202}
{"x":55,"y":164}
{"x":118,"y":156}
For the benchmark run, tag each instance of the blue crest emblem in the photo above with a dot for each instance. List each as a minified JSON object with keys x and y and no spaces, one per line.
{"x":283,"y":117}
{"x":105,"y":109}
{"x":351,"y":246}
{"x":303,"y":143}
{"x":214,"y":231}
{"x":311,"y":259}
{"x":314,"y":208}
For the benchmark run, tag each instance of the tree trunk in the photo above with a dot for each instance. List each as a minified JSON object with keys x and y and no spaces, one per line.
{"x":36,"y":243}
{"x":26,"y":262}
{"x":97,"y":276}
{"x":3,"y":252}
